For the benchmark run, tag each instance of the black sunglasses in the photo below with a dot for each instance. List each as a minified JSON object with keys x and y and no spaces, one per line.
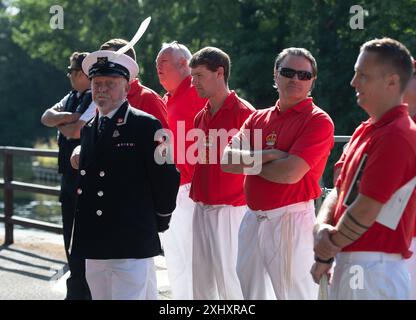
{"x":290,"y":73}
{"x":70,"y":70}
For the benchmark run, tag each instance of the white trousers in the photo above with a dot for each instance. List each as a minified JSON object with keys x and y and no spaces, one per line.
{"x":121,"y":279}
{"x":177,"y":246}
{"x":411,"y":264}
{"x":370,"y":276}
{"x":215,"y":234}
{"x":275,"y":253}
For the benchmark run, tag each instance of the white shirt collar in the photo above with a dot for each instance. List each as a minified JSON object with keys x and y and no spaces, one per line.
{"x":111,"y":113}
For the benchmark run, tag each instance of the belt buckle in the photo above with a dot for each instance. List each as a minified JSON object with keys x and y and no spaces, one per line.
{"x":261,"y":218}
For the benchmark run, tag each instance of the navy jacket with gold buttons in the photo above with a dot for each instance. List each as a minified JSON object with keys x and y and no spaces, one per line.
{"x":124,"y":196}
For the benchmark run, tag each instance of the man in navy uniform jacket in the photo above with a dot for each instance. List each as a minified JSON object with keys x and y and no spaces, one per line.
{"x":124,"y":197}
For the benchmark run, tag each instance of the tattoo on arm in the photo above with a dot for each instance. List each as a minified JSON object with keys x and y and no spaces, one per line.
{"x":349,"y":215}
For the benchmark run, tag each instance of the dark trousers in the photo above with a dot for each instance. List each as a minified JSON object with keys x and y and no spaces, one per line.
{"x":77,"y":287}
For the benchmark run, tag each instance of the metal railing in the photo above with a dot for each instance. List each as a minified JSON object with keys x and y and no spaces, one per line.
{"x":9,"y":185}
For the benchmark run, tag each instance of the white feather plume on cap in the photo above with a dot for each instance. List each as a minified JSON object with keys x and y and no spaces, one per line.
{"x":115,"y":63}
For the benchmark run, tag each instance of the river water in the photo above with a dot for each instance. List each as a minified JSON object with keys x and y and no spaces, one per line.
{"x":48,"y":210}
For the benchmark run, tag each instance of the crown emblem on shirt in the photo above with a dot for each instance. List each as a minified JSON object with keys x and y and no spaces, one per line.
{"x":271,"y":139}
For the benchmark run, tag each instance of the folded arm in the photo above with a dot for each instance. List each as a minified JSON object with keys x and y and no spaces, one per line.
{"x":53,"y":117}
{"x":240,"y":161}
{"x":72,"y":130}
{"x":288,"y":170}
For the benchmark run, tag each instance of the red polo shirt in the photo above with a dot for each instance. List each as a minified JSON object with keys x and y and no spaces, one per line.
{"x":145,"y":99}
{"x":305,"y":131}
{"x":414,"y":233}
{"x":210,"y":185}
{"x":391,"y":162}
{"x":340,"y":162}
{"x":182,"y":108}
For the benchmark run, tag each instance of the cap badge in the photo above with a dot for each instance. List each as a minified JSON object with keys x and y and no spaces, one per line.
{"x":102,"y":60}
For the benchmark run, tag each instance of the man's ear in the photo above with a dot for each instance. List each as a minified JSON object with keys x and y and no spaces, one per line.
{"x":127,"y":87}
{"x":391,"y":81}
{"x":313,"y":84}
{"x":183,"y":62}
{"x":220,"y":71}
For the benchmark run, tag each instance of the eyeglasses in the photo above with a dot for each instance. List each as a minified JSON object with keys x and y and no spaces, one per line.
{"x":70,"y":70}
{"x":290,"y":73}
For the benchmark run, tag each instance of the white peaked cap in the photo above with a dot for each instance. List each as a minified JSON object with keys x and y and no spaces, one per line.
{"x":110,"y":63}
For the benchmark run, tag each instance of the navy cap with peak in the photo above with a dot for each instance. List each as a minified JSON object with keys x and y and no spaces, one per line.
{"x":110,"y":63}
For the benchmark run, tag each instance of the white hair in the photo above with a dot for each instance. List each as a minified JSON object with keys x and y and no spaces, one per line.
{"x":178,"y":50}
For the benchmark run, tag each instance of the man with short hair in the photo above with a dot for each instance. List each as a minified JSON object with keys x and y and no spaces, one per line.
{"x":378,"y":166}
{"x":219,"y":196}
{"x":275,"y":245}
{"x":140,"y":96}
{"x":183,"y":103}
{"x":69,"y":116}
{"x":410,"y":98}
{"x":125,"y":194}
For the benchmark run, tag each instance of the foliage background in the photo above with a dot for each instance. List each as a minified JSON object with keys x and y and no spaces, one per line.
{"x":34,"y":57}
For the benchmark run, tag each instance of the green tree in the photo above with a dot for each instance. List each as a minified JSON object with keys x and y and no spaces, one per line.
{"x":27,"y":87}
{"x":253,"y":32}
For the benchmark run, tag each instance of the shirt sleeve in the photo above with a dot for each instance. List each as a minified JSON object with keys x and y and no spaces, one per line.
{"x":164,"y":178}
{"x":89,"y":113}
{"x":154,"y":105}
{"x":60,"y":106}
{"x":316,"y":141}
{"x":241,"y":140}
{"x":389,"y":166}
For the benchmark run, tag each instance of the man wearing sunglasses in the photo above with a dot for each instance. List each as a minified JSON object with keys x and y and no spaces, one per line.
{"x":374,"y":239}
{"x":275,"y":248}
{"x":69,"y":116}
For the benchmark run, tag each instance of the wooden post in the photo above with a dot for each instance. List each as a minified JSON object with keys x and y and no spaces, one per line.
{"x":8,"y":197}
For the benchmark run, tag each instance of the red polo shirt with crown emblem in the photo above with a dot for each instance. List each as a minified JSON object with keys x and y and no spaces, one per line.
{"x":391,"y":163}
{"x":303,"y":130}
{"x":210,"y":185}
{"x":182,"y":108}
{"x":145,"y":99}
